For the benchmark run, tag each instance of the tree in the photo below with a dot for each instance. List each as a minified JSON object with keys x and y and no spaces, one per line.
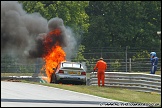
{"x":123,"y":23}
{"x":72,"y":13}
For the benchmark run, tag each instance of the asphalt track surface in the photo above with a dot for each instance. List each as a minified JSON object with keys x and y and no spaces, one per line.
{"x":18,"y":94}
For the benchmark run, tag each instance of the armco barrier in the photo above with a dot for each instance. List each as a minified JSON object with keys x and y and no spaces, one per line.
{"x":136,"y":81}
{"x":17,"y":78}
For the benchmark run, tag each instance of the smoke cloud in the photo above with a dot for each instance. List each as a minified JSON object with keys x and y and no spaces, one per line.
{"x":22,"y":34}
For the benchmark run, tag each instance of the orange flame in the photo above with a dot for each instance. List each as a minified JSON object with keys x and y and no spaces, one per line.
{"x":53,"y":56}
{"x":56,"y":32}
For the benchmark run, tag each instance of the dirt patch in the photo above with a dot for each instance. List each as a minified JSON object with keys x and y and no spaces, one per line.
{"x":13,"y":80}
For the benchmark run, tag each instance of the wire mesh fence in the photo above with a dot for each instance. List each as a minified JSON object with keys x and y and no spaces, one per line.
{"x":117,"y":59}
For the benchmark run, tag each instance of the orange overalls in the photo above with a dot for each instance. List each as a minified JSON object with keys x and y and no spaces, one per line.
{"x":101,"y":66}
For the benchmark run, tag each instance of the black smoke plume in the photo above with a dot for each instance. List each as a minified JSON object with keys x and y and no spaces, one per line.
{"x":24,"y":34}
{"x":45,"y":42}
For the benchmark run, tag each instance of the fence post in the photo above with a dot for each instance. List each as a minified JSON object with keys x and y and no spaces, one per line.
{"x":126,"y":58}
{"x":36,"y":68}
{"x":129,"y":64}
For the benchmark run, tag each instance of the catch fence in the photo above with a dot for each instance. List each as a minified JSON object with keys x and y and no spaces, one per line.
{"x":117,"y":59}
{"x":114,"y":65}
{"x":123,"y":59}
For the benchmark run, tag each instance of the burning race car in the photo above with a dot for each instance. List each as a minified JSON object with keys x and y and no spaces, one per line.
{"x":69,"y":72}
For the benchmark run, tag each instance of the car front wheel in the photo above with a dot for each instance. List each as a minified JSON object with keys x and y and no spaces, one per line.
{"x":53,"y":78}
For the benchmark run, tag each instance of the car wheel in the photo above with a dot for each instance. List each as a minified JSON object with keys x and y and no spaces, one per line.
{"x":84,"y":83}
{"x":53,"y":78}
{"x":56,"y":81}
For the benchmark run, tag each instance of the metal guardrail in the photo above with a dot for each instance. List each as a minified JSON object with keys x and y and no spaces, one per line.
{"x":17,"y":78}
{"x":135,"y":81}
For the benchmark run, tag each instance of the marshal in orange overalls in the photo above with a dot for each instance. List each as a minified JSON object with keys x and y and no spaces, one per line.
{"x":101,"y":66}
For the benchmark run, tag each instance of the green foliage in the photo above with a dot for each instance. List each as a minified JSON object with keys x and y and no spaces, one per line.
{"x":106,"y":23}
{"x":72,"y":12}
{"x":143,"y":54}
{"x":140,"y":59}
{"x":123,"y":23}
{"x":116,"y":65}
{"x":80,"y":57}
{"x":90,"y":64}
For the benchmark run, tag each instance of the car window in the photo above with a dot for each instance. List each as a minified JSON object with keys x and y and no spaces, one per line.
{"x":75,"y":66}
{"x":71,"y":65}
